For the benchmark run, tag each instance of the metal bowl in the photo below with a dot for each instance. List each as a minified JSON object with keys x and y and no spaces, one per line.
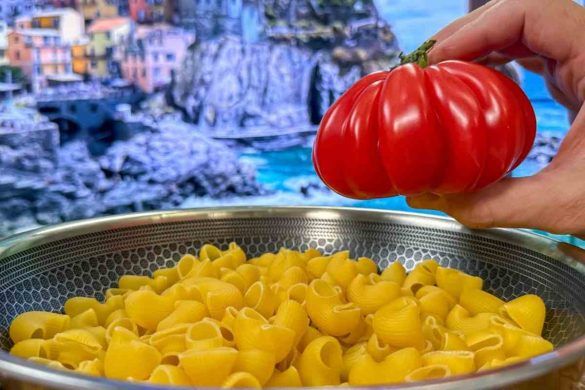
{"x":41,"y":269}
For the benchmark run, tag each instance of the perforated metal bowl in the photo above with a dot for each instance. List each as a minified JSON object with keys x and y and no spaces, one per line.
{"x":41,"y":269}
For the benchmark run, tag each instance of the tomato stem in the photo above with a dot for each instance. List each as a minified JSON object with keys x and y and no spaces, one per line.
{"x":419,"y":56}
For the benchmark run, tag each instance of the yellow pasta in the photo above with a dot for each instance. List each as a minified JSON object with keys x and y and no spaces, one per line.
{"x":288,"y":378}
{"x":241,"y":379}
{"x":369,"y":293}
{"x":256,"y":362}
{"x":459,"y":362}
{"x":37,"y":324}
{"x":321,"y":362}
{"x":165,"y":374}
{"x":478,"y":301}
{"x":285,"y":319}
{"x":393,"y":369}
{"x":527,"y":312}
{"x":395,"y":272}
{"x":398,"y":323}
{"x":209,"y":367}
{"x":327,"y":310}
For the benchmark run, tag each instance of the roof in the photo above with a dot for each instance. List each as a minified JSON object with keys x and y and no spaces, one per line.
{"x":103,"y":25}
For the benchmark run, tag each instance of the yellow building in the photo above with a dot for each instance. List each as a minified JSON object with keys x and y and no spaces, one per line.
{"x":79,"y":61}
{"x":96,"y":9}
{"x":104,"y":36}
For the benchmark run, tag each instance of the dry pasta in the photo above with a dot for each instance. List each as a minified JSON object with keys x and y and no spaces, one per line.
{"x":285,"y":319}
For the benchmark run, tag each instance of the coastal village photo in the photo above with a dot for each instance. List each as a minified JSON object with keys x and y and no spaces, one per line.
{"x":114,"y":106}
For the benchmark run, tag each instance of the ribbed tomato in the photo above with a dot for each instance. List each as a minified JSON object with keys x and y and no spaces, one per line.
{"x":447,"y":128}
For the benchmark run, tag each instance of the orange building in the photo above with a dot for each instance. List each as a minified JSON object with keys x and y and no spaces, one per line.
{"x":40,"y":53}
{"x":96,"y":9}
{"x":79,"y":61}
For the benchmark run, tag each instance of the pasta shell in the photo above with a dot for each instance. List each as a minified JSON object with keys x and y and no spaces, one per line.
{"x":366,"y":266}
{"x":298,"y":292}
{"x":530,"y":345}
{"x":398,"y":324}
{"x":321,"y":362}
{"x":93,"y":367}
{"x":128,"y":357}
{"x":328,"y":313}
{"x":252,"y":331}
{"x":292,"y":276}
{"x":210,"y":367}
{"x":478,"y":301}
{"x":147,"y":309}
{"x":310,"y":335}
{"x":342,"y":270}
{"x":165,"y":374}
{"x":311,"y":253}
{"x":425,"y":373}
{"x":261,"y":298}
{"x":452,"y":342}
{"x":256,"y":362}
{"x":293,"y":316}
{"x":184,"y":312}
{"x":370,"y":297}
{"x":527,"y":312}
{"x":225,"y":261}
{"x":395,"y":272}
{"x":351,"y":356}
{"x":419,"y":277}
{"x":84,"y":319}
{"x":135,"y":282}
{"x":237,"y":253}
{"x":249,"y":272}
{"x":204,"y":335}
{"x":454,"y":281}
{"x":377,"y":349}
{"x":37,"y":324}
{"x":185,"y":265}
{"x":229,"y":317}
{"x":209,"y":252}
{"x":487,"y":345}
{"x":30,"y":348}
{"x":122,"y":322}
{"x":317,"y":265}
{"x":48,"y":363}
{"x":460,"y":319}
{"x":241,"y":379}
{"x":232,"y":277}
{"x":393,"y":369}
{"x":496,"y":363}
{"x":170,"y":341}
{"x":288,"y":378}
{"x":171,"y":274}
{"x":459,"y":362}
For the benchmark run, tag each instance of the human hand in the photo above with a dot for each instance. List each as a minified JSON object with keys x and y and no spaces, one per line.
{"x":548,"y":36}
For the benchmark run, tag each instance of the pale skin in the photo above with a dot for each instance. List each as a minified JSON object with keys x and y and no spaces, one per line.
{"x":547,"y":37}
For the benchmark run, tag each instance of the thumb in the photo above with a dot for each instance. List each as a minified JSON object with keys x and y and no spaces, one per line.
{"x":512,"y":202}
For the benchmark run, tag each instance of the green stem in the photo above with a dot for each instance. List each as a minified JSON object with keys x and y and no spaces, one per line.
{"x":419,"y":56}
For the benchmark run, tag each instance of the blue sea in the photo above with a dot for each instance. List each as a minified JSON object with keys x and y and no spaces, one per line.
{"x":413,"y":22}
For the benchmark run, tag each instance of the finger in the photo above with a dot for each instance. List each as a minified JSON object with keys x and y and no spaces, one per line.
{"x":511,"y":24}
{"x":509,"y":203}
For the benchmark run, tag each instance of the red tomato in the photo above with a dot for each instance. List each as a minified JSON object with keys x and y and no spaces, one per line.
{"x":447,"y":128}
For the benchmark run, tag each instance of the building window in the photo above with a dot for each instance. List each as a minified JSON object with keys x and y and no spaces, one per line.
{"x":46,"y":40}
{"x":16,"y":39}
{"x":155,"y":57}
{"x":170,"y":57}
{"x":156,"y":72}
{"x":17,"y":55}
{"x":143,"y":73}
{"x":38,"y":70}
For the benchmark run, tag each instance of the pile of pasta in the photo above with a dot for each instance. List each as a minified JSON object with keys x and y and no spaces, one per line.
{"x":285,"y":319}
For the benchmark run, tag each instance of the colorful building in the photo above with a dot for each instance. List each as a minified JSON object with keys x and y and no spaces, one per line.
{"x":104,"y":36}
{"x":59,"y":3}
{"x":40,"y":53}
{"x":152,"y":53}
{"x":79,"y":60}
{"x":3,"y":43}
{"x":11,"y":9}
{"x":66,"y":21}
{"x":96,"y":9}
{"x":147,"y":11}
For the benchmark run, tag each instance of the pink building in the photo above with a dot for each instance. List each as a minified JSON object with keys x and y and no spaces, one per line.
{"x":150,"y":55}
{"x":40,"y":53}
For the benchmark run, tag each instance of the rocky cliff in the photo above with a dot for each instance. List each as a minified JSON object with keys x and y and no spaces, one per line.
{"x":311,"y":51}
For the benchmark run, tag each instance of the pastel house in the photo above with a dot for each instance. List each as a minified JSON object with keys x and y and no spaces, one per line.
{"x":3,"y":43}
{"x":147,"y":11}
{"x":40,"y":53}
{"x":104,"y":36}
{"x":152,"y":53}
{"x":66,"y":21}
{"x":96,"y":9}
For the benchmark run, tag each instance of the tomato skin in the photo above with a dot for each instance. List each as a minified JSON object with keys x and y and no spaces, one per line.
{"x":448,"y":128}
